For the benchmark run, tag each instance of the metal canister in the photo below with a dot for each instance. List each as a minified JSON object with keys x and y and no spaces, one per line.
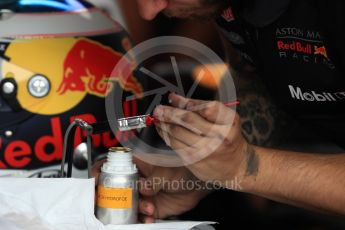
{"x":117,"y":192}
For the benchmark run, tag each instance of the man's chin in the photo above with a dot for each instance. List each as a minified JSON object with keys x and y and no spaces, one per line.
{"x":201,"y":17}
{"x":198,"y":14}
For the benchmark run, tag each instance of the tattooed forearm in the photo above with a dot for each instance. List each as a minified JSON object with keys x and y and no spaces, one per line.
{"x":252,"y":161}
{"x":262,"y":122}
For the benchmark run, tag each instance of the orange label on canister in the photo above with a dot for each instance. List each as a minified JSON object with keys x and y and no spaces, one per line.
{"x":115,"y":198}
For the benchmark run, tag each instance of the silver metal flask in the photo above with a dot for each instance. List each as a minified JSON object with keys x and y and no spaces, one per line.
{"x":117,"y":192}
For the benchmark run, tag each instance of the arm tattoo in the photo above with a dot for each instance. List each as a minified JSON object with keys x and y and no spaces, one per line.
{"x":263,"y":123}
{"x":252,"y":161}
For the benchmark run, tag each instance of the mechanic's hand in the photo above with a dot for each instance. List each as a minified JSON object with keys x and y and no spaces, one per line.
{"x":207,"y":136}
{"x":167,"y":192}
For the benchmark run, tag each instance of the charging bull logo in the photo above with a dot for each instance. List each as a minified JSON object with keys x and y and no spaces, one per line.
{"x":74,"y":67}
{"x":321,"y":51}
{"x":88,"y":67}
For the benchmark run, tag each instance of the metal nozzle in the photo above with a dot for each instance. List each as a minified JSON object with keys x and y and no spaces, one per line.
{"x":130,"y":123}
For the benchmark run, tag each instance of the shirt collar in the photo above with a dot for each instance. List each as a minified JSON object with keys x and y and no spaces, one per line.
{"x":261,"y":13}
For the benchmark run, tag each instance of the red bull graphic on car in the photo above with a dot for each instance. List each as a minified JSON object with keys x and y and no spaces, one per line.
{"x":80,"y":73}
{"x":75,"y":67}
{"x":89,"y":67}
{"x":62,"y":68}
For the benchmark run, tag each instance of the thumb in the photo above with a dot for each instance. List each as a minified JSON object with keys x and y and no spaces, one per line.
{"x":159,"y":180}
{"x":150,"y":186}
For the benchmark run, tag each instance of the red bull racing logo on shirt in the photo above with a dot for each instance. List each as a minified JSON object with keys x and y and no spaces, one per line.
{"x":302,"y":46}
{"x":321,"y":51}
